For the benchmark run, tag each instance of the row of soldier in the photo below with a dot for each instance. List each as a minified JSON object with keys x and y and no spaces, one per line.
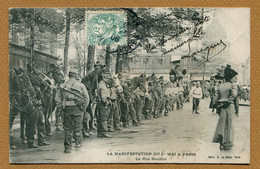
{"x":118,"y":101}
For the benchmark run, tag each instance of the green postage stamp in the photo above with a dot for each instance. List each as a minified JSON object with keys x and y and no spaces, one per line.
{"x":106,"y":27}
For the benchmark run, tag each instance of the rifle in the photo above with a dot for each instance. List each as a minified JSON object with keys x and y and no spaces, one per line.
{"x":80,"y":99}
{"x":74,"y":91}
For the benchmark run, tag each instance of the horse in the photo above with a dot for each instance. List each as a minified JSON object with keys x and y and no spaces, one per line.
{"x":23,"y":99}
{"x":152,"y":79}
{"x":59,"y":78}
{"x":116,"y":81}
{"x":16,"y":104}
{"x":47,"y":92}
{"x":57,"y":74}
{"x":137,"y":89}
{"x":91,"y":81}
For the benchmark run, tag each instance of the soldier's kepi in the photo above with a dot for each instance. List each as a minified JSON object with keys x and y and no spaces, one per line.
{"x":73,"y":98}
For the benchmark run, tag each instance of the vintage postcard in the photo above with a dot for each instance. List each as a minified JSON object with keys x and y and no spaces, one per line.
{"x":129,"y":85}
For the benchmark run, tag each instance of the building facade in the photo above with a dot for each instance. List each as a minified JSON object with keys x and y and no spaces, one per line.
{"x":19,"y":56}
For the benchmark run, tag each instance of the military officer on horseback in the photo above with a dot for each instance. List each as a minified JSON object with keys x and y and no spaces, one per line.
{"x":73,"y":98}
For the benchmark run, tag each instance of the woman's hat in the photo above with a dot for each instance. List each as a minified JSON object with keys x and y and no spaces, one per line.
{"x":229,"y":73}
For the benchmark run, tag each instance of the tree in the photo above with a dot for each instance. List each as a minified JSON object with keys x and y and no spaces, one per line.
{"x":77,"y":18}
{"x":90,"y":60}
{"x":108,"y":56}
{"x":145,"y":23}
{"x":67,"y":38}
{"x":36,"y":20}
{"x":78,"y":42}
{"x":118,"y":61}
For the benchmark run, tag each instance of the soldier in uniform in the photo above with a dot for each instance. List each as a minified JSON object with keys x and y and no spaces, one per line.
{"x":123,"y":103}
{"x":167,"y":96}
{"x":180,"y":92}
{"x":163,"y":98}
{"x":103,"y":103}
{"x":139,"y":101}
{"x":114,"y":115}
{"x":127,"y":88}
{"x":73,"y":98}
{"x":176,"y":94}
{"x":149,"y":102}
{"x":172,"y":98}
{"x":157,"y":97}
{"x":40,"y":121}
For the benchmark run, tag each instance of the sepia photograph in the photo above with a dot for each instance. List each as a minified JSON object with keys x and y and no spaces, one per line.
{"x":129,"y":85}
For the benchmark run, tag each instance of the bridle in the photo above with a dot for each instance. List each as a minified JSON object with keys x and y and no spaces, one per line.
{"x":49,"y":93}
{"x":25,"y":93}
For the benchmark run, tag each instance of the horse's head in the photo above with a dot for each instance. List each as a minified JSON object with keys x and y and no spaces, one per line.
{"x":152,"y":79}
{"x":41,"y":80}
{"x":92,"y":79}
{"x":23,"y":85}
{"x":141,"y":82}
{"x":21,"y":79}
{"x":14,"y":81}
{"x":116,"y":82}
{"x":57,"y":74}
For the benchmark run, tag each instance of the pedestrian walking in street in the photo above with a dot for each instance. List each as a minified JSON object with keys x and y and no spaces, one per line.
{"x":73,"y":98}
{"x":237,"y":97}
{"x":245,"y":95}
{"x":196,"y":96}
{"x":224,"y":134}
{"x":193,"y":87}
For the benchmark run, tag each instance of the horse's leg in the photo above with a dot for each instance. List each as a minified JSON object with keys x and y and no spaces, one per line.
{"x":12,"y":115}
{"x":58,"y":118}
{"x":92,"y":115}
{"x":49,"y":114}
{"x":85,"y":123}
{"x":47,"y":122}
{"x":22,"y":124}
{"x":31,"y":125}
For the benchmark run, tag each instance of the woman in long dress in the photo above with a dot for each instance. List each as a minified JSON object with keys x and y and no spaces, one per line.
{"x":225,"y":95}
